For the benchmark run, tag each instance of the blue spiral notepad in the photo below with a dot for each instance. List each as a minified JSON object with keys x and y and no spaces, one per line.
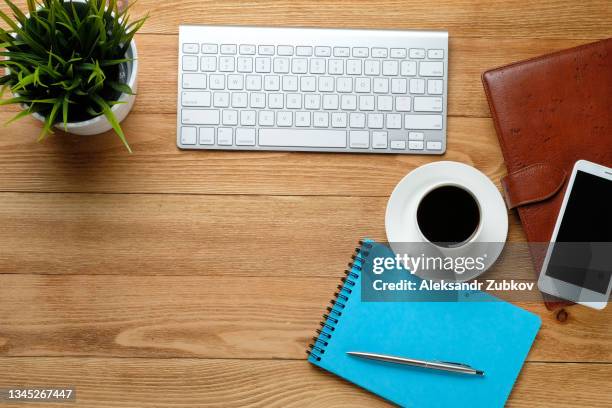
{"x":493,"y":336}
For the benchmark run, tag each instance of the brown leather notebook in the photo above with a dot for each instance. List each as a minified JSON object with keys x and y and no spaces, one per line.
{"x":549,"y":112}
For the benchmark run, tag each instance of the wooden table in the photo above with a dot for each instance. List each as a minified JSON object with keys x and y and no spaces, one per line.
{"x":175,"y":278}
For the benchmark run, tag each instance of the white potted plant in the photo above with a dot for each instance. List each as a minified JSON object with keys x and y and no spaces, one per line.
{"x":71,"y":64}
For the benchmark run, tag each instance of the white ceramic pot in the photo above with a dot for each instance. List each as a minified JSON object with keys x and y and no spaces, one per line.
{"x":100,"y":124}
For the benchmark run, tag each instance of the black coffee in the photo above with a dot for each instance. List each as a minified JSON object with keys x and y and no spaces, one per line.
{"x":448,"y":216}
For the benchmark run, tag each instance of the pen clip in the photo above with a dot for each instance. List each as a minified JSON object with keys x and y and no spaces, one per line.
{"x":457,"y":364}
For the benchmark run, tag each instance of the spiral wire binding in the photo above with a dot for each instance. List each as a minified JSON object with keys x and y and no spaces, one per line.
{"x":334,"y":311}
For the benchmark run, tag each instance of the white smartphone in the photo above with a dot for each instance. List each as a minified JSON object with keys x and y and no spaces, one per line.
{"x":578,"y":263}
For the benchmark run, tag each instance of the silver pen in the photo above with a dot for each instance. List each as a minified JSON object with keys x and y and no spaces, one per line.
{"x":434,"y":365}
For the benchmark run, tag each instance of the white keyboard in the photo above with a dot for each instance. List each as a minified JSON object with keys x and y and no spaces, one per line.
{"x":299,"y":89}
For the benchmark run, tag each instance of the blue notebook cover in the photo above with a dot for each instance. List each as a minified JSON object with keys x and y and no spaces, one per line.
{"x":493,"y":336}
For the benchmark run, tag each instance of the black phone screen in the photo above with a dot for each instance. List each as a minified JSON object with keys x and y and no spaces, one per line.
{"x":582,"y":253}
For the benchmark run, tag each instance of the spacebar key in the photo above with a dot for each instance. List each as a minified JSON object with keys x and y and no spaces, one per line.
{"x":302,"y":138}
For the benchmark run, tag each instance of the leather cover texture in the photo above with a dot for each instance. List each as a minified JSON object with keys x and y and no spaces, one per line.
{"x":549,"y":112}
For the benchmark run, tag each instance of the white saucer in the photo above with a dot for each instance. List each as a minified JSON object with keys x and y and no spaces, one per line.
{"x":400,"y":219}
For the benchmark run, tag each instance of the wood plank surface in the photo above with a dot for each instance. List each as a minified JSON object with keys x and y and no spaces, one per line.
{"x":217,"y":317}
{"x":144,"y":234}
{"x":134,"y":383}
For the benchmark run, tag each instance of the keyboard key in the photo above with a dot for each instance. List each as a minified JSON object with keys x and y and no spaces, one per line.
{"x":379,"y":52}
{"x":190,"y":63}
{"x":221,"y":99}
{"x":342,"y":51}
{"x":339,"y":119}
{"x":323,"y":51}
{"x":266,"y":49}
{"x":359,"y":139}
{"x":426,"y":122}
{"x":281,"y":65}
{"x":390,"y":67}
{"x":399,"y":86}
{"x":435,"y":54}
{"x":235,"y":82}
{"x":360,"y":52}
{"x":245,"y":64}
{"x":247,"y":49}
{"x":263,"y":64}
{"x":200,"y":116}
{"x":353,"y":67}
{"x":209,"y":48}
{"x":302,"y":119}
{"x":379,"y":140}
{"x":335,"y":67}
{"x":431,"y":68}
{"x":208,"y":64}
{"x":381,"y":85}
{"x":394,"y":121}
{"x":248,"y":117}
{"x":207,"y":136}
{"x":188,"y":135}
{"x":427,"y":104}
{"x":294,"y":101}
{"x":344,"y":85}
{"x":357,"y":120}
{"x":363,"y":85}
{"x":417,"y":86}
{"x":398,"y":144}
{"x":194,"y":81}
{"x":227,"y":64}
{"x":190,"y":48}
{"x":228,"y":48}
{"x":348,"y":102}
{"x":284,"y":118}
{"x":245,"y":137}
{"x":415,"y":144}
{"x":402,"y":103}
{"x":284,"y":50}
{"x":321,"y":119}
{"x":385,"y":103}
{"x":372,"y":67}
{"x":276,"y":101}
{"x":330,"y":102}
{"x":225,"y":136}
{"x":398,"y":53}
{"x":326,"y":84}
{"x":272,"y":83}
{"x":375,"y":120}
{"x":217,"y":81}
{"x":266,"y":118}
{"x":240,"y":100}
{"x":302,"y":138}
{"x":290,"y":83}
{"x":435,"y":87}
{"x":416,"y":136}
{"x":230,"y":117}
{"x":258,"y":100}
{"x":408,"y":68}
{"x":317,"y":66}
{"x":366,"y":102}
{"x":417,"y":53}
{"x":201,"y":99}
{"x":308,"y":84}
{"x":434,"y":146}
{"x":312,"y":101}
{"x":299,"y":66}
{"x":253,"y":82}
{"x":303,"y":51}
